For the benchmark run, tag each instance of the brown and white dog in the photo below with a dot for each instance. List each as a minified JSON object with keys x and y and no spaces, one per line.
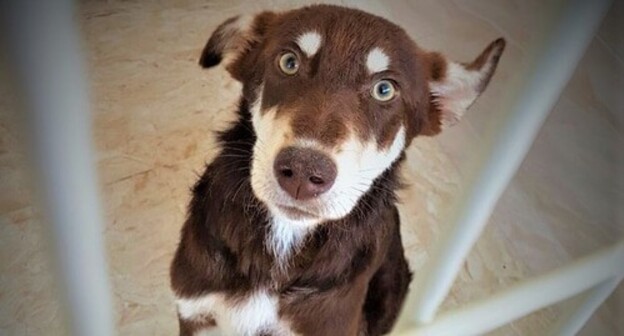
{"x":293,"y":228}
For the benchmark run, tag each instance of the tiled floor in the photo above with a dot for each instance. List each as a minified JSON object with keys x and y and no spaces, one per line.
{"x":155,"y":110}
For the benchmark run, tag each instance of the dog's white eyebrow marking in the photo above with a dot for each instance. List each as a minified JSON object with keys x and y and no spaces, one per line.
{"x":309,"y":43}
{"x":377,"y":60}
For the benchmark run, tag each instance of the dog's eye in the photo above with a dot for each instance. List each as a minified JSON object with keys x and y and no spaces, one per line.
{"x":383,"y":90}
{"x":289,"y":64}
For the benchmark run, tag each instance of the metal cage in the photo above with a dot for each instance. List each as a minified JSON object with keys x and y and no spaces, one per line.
{"x":58,"y":117}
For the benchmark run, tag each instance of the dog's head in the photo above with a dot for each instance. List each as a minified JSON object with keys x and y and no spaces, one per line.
{"x":335,"y":96}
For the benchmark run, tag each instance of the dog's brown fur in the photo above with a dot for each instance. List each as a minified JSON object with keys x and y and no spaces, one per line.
{"x":350,"y":276}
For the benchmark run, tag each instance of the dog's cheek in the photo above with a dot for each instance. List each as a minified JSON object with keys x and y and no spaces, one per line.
{"x":272,"y":134}
{"x":260,"y":178}
{"x":359,"y":164}
{"x":343,"y":195}
{"x":375,"y":160}
{"x":420,"y":120}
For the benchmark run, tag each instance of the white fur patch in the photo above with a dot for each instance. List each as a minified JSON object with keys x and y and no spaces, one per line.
{"x":286,"y":237}
{"x":238,"y":32}
{"x":377,"y":61}
{"x":207,"y":332}
{"x":244,"y":21}
{"x":359,"y":164}
{"x":273,"y":134}
{"x":309,"y":43}
{"x":456,"y":92}
{"x":250,"y":315}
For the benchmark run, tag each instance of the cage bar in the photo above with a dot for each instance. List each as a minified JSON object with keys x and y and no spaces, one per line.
{"x":501,"y":156}
{"x":601,"y":270}
{"x":44,"y":49}
{"x":579,"y":313}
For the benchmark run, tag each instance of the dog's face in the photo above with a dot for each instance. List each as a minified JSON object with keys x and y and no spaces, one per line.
{"x":335,"y":96}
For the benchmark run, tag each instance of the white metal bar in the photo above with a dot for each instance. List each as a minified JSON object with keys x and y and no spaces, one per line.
{"x":575,"y":318}
{"x":44,"y":48}
{"x":533,"y":294}
{"x":502,"y":155}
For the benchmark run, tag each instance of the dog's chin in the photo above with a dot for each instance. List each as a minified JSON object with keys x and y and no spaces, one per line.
{"x":297,"y":213}
{"x":306,"y":214}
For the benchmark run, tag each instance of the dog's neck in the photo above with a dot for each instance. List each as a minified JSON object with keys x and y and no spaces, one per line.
{"x":285,"y":238}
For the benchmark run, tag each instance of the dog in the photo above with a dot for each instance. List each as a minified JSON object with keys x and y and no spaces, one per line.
{"x":293,"y":228}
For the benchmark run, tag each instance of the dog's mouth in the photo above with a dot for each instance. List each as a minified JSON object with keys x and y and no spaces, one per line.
{"x":296,"y":213}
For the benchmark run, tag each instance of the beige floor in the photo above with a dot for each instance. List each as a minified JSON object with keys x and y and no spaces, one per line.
{"x":155,"y":109}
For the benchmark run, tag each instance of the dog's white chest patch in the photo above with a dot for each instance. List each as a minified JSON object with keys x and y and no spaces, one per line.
{"x":250,"y":315}
{"x":285,"y":238}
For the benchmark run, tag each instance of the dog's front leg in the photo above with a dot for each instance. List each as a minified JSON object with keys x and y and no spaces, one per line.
{"x":192,"y":327}
{"x":387,"y":289}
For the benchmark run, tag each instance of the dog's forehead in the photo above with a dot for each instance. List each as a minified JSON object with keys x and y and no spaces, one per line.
{"x":344,"y":53}
{"x":345,"y":35}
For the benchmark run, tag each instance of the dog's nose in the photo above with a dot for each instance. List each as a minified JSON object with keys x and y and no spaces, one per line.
{"x":304,"y":173}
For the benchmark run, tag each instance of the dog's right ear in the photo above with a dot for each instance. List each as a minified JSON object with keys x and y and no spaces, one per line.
{"x":234,"y":38}
{"x":453,"y":87}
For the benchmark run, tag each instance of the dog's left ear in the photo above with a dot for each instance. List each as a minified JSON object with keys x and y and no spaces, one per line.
{"x":233,"y":40}
{"x":454,"y":87}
